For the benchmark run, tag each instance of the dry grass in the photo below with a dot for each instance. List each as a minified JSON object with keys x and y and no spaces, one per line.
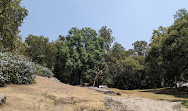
{"x":49,"y":95}
{"x":159,"y":94}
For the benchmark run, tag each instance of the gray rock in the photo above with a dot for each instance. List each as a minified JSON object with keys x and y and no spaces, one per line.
{"x":105,"y":91}
{"x":141,"y":104}
{"x":2,"y":98}
{"x":112,"y":93}
{"x":103,"y":86}
{"x":99,"y":89}
{"x":185,"y":85}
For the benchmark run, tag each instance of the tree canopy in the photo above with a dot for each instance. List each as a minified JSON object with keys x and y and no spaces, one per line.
{"x":12,"y":15}
{"x":80,"y":52}
{"x":87,"y":56}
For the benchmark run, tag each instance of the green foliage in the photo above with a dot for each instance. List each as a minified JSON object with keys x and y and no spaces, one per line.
{"x":167,"y":58}
{"x":174,"y":49}
{"x":125,"y":68}
{"x":117,"y":52}
{"x":81,"y":50}
{"x":87,"y":56}
{"x":43,"y":71}
{"x":11,"y":17}
{"x":140,"y":47}
{"x":153,"y":59}
{"x":40,"y":50}
{"x":106,"y":34}
{"x":17,"y":69}
{"x":129,"y":75}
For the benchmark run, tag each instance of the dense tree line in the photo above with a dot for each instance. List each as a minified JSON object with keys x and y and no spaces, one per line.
{"x":88,"y":56}
{"x":167,"y":59}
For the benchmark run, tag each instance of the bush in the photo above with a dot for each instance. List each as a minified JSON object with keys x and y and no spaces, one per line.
{"x":18,"y":69}
{"x":44,"y":71}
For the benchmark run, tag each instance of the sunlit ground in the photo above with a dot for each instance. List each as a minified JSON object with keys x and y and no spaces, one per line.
{"x":172,"y":95}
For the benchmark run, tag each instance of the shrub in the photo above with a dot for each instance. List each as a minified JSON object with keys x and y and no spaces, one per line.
{"x":44,"y":71}
{"x":18,"y":69}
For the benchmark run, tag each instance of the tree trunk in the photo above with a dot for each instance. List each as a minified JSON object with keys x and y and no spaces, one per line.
{"x":95,"y":79}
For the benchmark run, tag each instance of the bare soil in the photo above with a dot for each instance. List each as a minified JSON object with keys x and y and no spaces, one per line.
{"x":51,"y":95}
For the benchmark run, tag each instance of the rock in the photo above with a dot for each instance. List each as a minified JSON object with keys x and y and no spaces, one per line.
{"x":105,"y":91}
{"x":103,"y":86}
{"x":185,"y":85}
{"x":112,"y":93}
{"x":2,"y":98}
{"x":99,"y":89}
{"x":141,"y":104}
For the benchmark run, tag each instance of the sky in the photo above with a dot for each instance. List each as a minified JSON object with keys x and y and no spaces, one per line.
{"x":130,"y":20}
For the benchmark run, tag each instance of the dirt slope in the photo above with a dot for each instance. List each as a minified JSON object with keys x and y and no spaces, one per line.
{"x":50,"y":95}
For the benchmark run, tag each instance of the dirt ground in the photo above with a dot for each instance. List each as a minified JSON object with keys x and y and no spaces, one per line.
{"x":50,"y":95}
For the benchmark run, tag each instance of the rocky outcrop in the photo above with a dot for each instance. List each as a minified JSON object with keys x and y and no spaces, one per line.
{"x":141,"y":104}
{"x":2,"y":98}
{"x":105,"y":91}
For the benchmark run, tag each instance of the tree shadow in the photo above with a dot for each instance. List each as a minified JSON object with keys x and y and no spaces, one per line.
{"x":178,"y":93}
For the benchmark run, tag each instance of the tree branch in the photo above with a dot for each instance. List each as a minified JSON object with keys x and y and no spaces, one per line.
{"x":2,"y":12}
{"x":4,"y":7}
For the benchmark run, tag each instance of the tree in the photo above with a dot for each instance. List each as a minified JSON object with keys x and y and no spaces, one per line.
{"x":106,"y":33}
{"x":180,"y":14}
{"x":167,"y":57}
{"x":116,"y":53}
{"x":11,"y":17}
{"x":40,"y":50}
{"x":130,"y":52}
{"x":175,"y":48}
{"x":140,"y":47}
{"x":80,"y":55}
{"x":129,"y":75}
{"x":153,"y":65}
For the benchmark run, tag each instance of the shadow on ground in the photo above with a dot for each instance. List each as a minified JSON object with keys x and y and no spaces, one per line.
{"x":178,"y":93}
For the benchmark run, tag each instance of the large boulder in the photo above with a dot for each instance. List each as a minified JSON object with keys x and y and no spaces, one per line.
{"x":141,"y":104}
{"x":2,"y":98}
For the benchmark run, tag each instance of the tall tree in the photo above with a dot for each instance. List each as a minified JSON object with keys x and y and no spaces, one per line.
{"x":12,"y":15}
{"x":40,"y":50}
{"x":106,"y":33}
{"x":140,"y":47}
{"x":153,"y":66}
{"x":175,"y":49}
{"x":80,"y":54}
{"x":129,"y":74}
{"x":117,"y":52}
{"x":167,"y":57}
